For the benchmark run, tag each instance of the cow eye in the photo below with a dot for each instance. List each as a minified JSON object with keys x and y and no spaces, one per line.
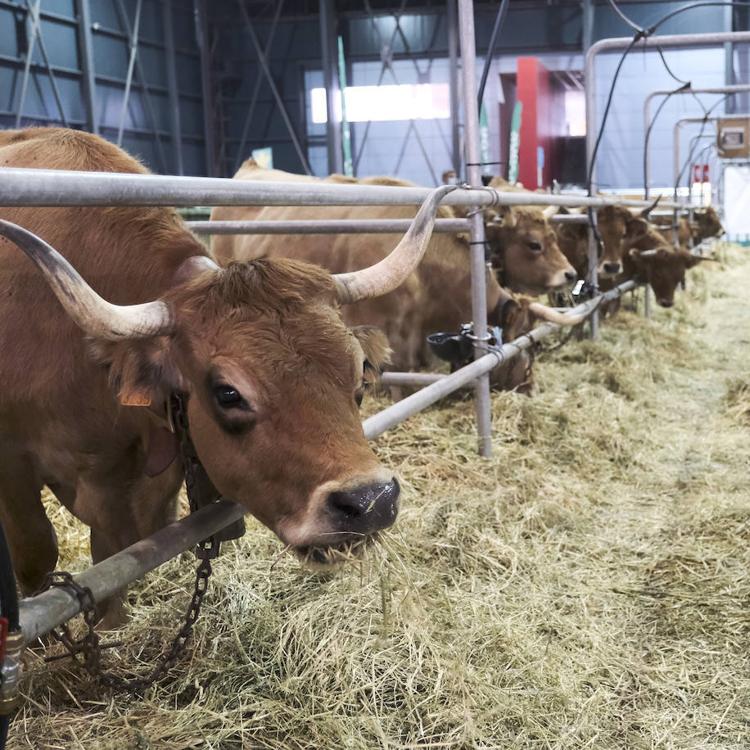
{"x":535,"y":246}
{"x":229,"y":397}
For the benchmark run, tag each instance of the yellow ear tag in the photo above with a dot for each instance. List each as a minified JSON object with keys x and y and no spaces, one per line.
{"x":135,"y":398}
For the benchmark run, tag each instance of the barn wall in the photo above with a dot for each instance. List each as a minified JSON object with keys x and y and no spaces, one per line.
{"x":148,"y":113}
{"x":419,"y":151}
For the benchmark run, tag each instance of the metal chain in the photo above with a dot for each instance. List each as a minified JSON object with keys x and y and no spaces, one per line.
{"x":89,"y":646}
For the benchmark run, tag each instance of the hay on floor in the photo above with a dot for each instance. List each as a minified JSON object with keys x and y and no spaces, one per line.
{"x":587,"y":587}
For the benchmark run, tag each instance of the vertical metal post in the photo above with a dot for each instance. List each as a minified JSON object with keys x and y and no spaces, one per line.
{"x":587,"y":38}
{"x":452,"y":22}
{"x":86,"y":47}
{"x":729,"y":57}
{"x":131,"y":69}
{"x":474,"y":175}
{"x":34,"y":10}
{"x":174,"y":94}
{"x":329,"y":57}
{"x":33,"y":20}
{"x":201,"y":30}
{"x":587,"y":25}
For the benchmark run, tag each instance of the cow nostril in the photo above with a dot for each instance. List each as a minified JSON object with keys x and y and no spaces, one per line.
{"x":571,"y":276}
{"x":365,"y":509}
{"x":612,"y":267}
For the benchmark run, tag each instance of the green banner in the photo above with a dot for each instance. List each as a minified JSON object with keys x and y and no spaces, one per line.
{"x":484,"y":140}
{"x":514,"y":144}
{"x":346,"y":133}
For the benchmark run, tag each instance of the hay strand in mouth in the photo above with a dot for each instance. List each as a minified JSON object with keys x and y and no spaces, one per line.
{"x":586,"y":588}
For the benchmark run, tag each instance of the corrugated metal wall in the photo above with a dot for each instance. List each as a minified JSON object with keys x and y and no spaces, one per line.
{"x":176,"y":105}
{"x":154,"y":124}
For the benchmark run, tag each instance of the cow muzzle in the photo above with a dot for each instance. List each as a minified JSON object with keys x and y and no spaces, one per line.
{"x":345,"y":520}
{"x":610,"y":268}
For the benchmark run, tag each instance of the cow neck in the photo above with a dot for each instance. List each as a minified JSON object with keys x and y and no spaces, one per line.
{"x":200,"y":490}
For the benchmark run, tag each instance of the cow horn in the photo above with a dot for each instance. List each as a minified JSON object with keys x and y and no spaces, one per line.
{"x":549,"y":212}
{"x":395,"y":268}
{"x":94,"y":315}
{"x":648,"y":253}
{"x":553,"y":316}
{"x":649,"y":209}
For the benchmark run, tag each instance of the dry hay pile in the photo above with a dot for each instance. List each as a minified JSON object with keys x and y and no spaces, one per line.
{"x":587,"y":587}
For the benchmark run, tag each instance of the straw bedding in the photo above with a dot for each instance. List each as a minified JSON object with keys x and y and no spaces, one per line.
{"x":588,"y":587}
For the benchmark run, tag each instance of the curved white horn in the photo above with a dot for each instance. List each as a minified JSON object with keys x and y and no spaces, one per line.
{"x":553,"y":316}
{"x":94,"y":315}
{"x":549,"y":212}
{"x":395,"y":268}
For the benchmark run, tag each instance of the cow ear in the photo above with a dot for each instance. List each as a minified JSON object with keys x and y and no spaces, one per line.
{"x":376,"y":349}
{"x":690,"y":260}
{"x":506,"y":217}
{"x":141,"y":373}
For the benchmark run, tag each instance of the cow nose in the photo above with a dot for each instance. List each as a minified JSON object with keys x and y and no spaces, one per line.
{"x":612,"y":268}
{"x":571,"y":276}
{"x":364,"y":510}
{"x":666,"y":302}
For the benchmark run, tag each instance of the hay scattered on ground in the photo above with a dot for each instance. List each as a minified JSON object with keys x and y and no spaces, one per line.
{"x":587,"y":587}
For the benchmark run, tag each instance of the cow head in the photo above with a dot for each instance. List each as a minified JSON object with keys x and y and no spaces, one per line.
{"x":663,"y":269}
{"x":573,"y":240}
{"x":524,"y":250}
{"x":707,"y":224}
{"x":612,"y":224}
{"x":272,"y":376}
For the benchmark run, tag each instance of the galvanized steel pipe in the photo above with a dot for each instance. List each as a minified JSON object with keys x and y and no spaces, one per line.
{"x":47,"y":187}
{"x":378,"y":423}
{"x":42,"y":613}
{"x":477,"y":244}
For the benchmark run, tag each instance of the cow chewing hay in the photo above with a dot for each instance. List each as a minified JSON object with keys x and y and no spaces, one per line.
{"x":587,"y":587}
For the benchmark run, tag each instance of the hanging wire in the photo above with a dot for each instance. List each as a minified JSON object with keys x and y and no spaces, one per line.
{"x":643,"y":33}
{"x":502,"y":12}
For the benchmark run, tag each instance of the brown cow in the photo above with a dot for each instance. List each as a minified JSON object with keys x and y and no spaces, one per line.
{"x":523,"y":246}
{"x":663,"y":269}
{"x":705,"y":224}
{"x":271,"y":374}
{"x":437,"y":297}
{"x":633,"y":248}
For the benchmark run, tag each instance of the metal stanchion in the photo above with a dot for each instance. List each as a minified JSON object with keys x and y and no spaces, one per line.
{"x":477,"y":235}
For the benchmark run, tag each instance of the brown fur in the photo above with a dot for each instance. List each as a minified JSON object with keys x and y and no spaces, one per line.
{"x":626,"y":236}
{"x":436,"y":298}
{"x":270,"y":328}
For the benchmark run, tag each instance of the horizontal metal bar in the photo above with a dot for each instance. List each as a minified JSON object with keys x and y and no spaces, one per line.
{"x":342,"y":226}
{"x":667,"y":40}
{"x":345,"y":226}
{"x":420,"y":379}
{"x":41,"y":187}
{"x":42,"y":613}
{"x":569,"y":219}
{"x":378,"y":423}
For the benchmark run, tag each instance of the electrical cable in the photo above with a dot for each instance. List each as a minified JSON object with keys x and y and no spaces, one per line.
{"x":700,"y":134}
{"x":502,"y":12}
{"x":643,"y":33}
{"x":647,"y":134}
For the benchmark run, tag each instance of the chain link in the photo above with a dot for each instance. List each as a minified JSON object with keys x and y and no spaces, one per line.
{"x":89,"y":646}
{"x":87,"y":650}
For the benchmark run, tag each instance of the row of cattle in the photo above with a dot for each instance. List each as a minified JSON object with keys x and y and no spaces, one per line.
{"x":527,"y":255}
{"x":108,"y":314}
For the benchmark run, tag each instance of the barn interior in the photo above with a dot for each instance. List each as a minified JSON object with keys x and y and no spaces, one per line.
{"x":569,"y":564}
